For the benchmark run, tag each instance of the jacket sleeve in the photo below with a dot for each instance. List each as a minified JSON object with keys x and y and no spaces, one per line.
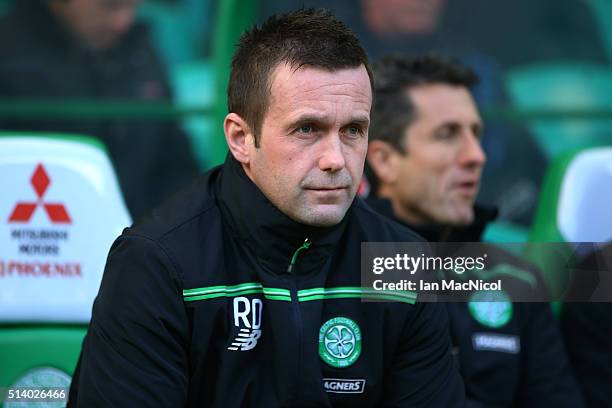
{"x":423,"y":372}
{"x":134,"y":354}
{"x":546,"y":378}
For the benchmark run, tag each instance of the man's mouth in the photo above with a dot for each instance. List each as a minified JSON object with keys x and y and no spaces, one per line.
{"x":328,"y":195}
{"x":468,"y":187}
{"x":326,"y":188}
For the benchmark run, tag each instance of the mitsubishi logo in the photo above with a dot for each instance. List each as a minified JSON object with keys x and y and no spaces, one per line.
{"x":24,"y":210}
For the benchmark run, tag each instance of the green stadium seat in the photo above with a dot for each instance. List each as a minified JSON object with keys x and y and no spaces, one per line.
{"x":564,"y":86}
{"x":39,"y":356}
{"x":505,"y":231}
{"x":194,"y":84}
{"x":60,"y":208}
{"x":181,"y":29}
{"x":574,"y":206}
{"x":602,"y":10}
{"x":170,"y":33}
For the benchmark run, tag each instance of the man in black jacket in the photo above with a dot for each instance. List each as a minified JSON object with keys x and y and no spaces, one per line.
{"x":244,"y":290}
{"x":425,"y":163}
{"x":94,"y":50}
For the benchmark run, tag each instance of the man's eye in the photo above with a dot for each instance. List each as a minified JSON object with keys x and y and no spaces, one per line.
{"x":305,"y":129}
{"x":446,"y":133}
{"x":354,"y":131}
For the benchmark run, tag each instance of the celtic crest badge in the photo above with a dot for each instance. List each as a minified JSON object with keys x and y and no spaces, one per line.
{"x":339,"y":342}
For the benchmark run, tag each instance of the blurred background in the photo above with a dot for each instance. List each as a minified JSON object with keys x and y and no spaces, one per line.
{"x":130,"y":98}
{"x":544,"y":68}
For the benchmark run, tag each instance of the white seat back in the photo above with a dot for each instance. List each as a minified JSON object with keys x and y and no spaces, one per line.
{"x":60,"y":210}
{"x":584,"y":213}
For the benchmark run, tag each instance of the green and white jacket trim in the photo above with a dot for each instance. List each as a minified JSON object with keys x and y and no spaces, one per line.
{"x":347,"y":292}
{"x":212,"y":292}
{"x":304,"y":295}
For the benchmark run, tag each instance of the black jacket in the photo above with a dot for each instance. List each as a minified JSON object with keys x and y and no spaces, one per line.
{"x":522,"y":361}
{"x":197,"y":308}
{"x":587,"y":329}
{"x":40,"y":60}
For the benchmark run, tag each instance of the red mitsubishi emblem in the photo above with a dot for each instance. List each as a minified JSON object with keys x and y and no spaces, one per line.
{"x":24,"y":210}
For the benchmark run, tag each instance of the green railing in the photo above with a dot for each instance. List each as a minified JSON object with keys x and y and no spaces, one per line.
{"x":124,"y":110}
{"x":96,"y":109}
{"x":91,"y":109}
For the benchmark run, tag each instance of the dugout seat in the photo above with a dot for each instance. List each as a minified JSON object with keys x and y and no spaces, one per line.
{"x":564,"y":86}
{"x":575,"y":206}
{"x":60,"y":210}
{"x":602,"y":11}
{"x":193,"y":83}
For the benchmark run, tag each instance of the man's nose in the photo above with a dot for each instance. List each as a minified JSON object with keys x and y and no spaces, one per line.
{"x":332,"y":154}
{"x":472,"y":154}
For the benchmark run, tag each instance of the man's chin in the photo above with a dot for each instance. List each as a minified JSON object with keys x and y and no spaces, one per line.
{"x":462,"y":220}
{"x":452,"y":216}
{"x":322,"y":217}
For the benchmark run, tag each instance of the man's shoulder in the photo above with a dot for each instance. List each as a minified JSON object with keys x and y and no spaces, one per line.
{"x":379,"y":228}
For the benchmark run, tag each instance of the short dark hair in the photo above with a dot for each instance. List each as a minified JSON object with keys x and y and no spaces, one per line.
{"x":393,"y":111}
{"x":306,"y":37}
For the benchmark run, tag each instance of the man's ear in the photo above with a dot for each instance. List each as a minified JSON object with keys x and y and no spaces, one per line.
{"x":239,"y":137}
{"x":381,"y":158}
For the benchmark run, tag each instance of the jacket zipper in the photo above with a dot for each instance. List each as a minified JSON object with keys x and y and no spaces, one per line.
{"x":304,"y":247}
{"x":297,"y":315}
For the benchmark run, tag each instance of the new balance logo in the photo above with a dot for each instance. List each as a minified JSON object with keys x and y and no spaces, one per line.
{"x":245,"y":340}
{"x":247,"y":317}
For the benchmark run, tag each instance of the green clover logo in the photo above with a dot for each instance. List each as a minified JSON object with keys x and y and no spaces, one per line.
{"x":339,"y":342}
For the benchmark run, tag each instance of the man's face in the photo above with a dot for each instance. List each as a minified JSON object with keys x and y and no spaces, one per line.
{"x":99,"y":24}
{"x":438,"y":177}
{"x":313,"y":142}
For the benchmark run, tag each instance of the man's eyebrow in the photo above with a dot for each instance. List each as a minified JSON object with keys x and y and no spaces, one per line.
{"x":363,"y":121}
{"x":458,"y":124}
{"x":310,"y":118}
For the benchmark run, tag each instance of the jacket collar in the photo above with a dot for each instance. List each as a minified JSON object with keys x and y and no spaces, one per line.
{"x":440,"y":233}
{"x":268,"y":233}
